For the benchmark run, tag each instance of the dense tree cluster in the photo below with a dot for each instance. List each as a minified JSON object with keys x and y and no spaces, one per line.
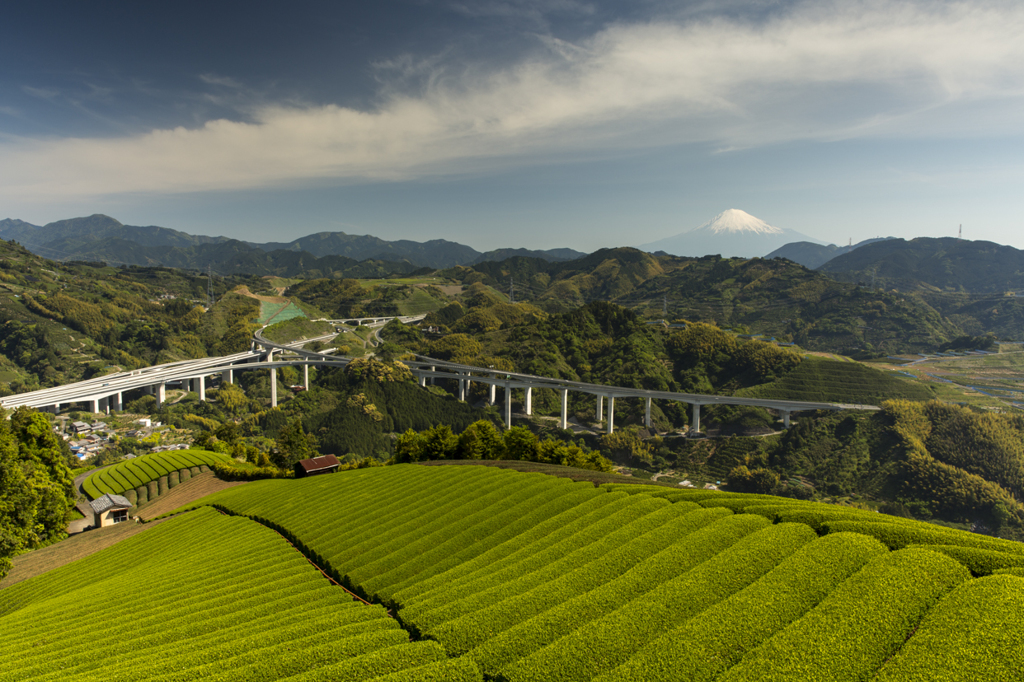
{"x":481,"y":440}
{"x":36,"y":484}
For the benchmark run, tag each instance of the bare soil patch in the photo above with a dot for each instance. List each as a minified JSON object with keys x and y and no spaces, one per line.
{"x":244,"y":291}
{"x":188,"y":492}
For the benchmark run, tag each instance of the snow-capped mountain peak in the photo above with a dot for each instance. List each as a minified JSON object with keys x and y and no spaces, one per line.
{"x":735,"y":221}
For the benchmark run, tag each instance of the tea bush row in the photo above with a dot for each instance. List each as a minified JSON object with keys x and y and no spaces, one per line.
{"x":199,"y":597}
{"x":138,"y":471}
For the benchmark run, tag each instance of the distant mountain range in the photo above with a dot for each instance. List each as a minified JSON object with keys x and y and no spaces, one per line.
{"x":102,"y":238}
{"x":732,"y":233}
{"x":936,"y":264}
{"x":813,"y":256}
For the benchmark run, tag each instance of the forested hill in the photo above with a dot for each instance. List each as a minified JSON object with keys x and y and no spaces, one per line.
{"x":62,"y":322}
{"x":775,"y":297}
{"x":945,"y":264}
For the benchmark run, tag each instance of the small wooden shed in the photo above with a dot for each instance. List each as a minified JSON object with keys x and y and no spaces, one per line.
{"x":109,"y":509}
{"x":326,"y":464}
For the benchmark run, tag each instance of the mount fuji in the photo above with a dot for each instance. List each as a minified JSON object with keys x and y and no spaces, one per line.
{"x":730,"y":233}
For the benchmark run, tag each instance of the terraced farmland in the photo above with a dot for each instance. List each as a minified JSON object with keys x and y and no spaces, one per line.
{"x":135,"y":473}
{"x":203,"y":596}
{"x":509,"y":576}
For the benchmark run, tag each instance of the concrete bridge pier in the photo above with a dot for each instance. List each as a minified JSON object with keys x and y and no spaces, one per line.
{"x":227,"y":376}
{"x":199,"y":383}
{"x":273,"y":387}
{"x":305,"y":377}
{"x":493,"y":394}
{"x":118,"y":404}
{"x":785,"y":419}
{"x":161,"y":394}
{"x":508,"y":405}
{"x":647,"y":413}
{"x":432,"y":370}
{"x":600,"y":408}
{"x":423,"y":380}
{"x":529,"y":401}
{"x":695,"y":420}
{"x":611,"y":413}
{"x":564,"y":420}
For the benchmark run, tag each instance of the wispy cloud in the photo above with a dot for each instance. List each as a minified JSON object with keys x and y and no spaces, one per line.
{"x":221,"y":81}
{"x":832,"y":70}
{"x":41,"y":93}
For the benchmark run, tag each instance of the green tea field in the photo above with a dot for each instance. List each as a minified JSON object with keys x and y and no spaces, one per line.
{"x":494,"y":574}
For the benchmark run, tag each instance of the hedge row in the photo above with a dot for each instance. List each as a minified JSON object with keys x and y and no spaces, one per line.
{"x":632,"y":617}
{"x":860,"y":625}
{"x":723,"y":634}
{"x":980,"y":562}
{"x":972,"y":634}
{"x":200,"y":597}
{"x":536,"y":577}
{"x":901,"y":535}
{"x":139,"y":471}
{"x":601,"y":586}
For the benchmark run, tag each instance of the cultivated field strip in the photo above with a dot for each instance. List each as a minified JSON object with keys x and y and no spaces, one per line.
{"x":139,"y":471}
{"x":202,"y":596}
{"x":529,"y":578}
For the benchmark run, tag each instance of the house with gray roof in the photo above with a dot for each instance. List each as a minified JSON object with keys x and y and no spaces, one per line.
{"x":109,"y":509}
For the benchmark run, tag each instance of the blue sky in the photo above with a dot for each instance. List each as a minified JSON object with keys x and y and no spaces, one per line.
{"x":517,"y":122}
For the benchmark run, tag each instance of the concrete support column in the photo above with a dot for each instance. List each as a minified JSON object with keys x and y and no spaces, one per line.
{"x":785,"y":419}
{"x":161,"y":394}
{"x":529,"y":401}
{"x":432,"y":369}
{"x":94,"y":405}
{"x":508,"y":406}
{"x":647,"y":413}
{"x":200,"y":383}
{"x":695,"y":421}
{"x":564,"y":421}
{"x":462,"y":389}
{"x":494,"y":394}
{"x":227,"y":376}
{"x":600,"y":407}
{"x":305,"y":376}
{"x":118,"y":404}
{"x":423,"y":381}
{"x":611,"y":413}
{"x":273,"y":387}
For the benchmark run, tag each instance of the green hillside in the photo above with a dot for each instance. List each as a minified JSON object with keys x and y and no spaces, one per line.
{"x":824,"y":380}
{"x":501,"y":575}
{"x":210,"y":597}
{"x":536,"y":578}
{"x":63,"y":322}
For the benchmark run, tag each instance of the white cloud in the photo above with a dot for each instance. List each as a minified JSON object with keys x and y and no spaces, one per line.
{"x":816,"y":71}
